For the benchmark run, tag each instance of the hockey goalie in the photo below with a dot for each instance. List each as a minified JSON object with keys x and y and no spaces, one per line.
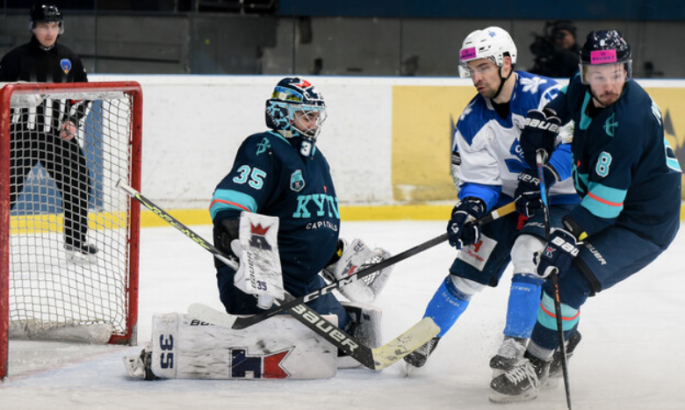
{"x":276,"y":215}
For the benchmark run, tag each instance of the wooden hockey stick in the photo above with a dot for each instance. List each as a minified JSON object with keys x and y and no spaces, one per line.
{"x":375,"y":359}
{"x":540,"y":159}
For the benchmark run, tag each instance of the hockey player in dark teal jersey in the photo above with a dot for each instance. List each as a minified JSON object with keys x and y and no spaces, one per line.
{"x":281,"y":173}
{"x":630,"y":184}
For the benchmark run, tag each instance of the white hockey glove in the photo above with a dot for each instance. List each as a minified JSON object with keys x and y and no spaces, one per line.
{"x":354,"y":257}
{"x":259,"y":273}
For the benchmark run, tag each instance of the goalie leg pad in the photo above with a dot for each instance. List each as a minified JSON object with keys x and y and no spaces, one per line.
{"x":278,"y":348}
{"x":365,"y":325}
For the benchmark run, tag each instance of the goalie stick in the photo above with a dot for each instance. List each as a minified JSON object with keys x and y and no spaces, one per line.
{"x":375,"y":359}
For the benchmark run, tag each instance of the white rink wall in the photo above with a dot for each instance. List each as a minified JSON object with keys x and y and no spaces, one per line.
{"x":193,"y":125}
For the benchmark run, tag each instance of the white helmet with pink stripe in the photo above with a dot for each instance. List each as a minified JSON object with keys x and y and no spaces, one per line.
{"x":493,"y":43}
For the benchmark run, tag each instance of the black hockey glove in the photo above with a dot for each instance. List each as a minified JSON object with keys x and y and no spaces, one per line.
{"x":461,"y":229}
{"x":225,"y":232}
{"x":528,"y":190}
{"x":540,"y":132}
{"x":558,"y":254}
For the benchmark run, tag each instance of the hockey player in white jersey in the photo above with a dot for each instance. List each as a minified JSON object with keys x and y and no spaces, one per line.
{"x":489,"y":169}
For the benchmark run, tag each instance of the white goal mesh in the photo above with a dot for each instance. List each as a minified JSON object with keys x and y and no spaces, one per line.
{"x":73,"y":238}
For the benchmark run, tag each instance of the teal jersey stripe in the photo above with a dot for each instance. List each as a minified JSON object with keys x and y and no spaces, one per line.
{"x":603,"y":201}
{"x":547,"y":317}
{"x":673,"y":164}
{"x":229,"y":199}
{"x":581,"y":180}
{"x":584,"y":119}
{"x":671,"y":160}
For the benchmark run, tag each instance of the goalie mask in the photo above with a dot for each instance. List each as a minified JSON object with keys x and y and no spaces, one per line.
{"x":296,"y":108}
{"x":44,"y":13}
{"x":604,"y":48}
{"x":492,"y":43}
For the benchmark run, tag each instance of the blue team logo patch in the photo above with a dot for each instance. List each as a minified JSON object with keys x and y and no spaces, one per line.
{"x":65,"y":63}
{"x":296,"y":181}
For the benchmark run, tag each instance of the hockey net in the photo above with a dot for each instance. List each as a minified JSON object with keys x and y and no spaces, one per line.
{"x":49,"y":291}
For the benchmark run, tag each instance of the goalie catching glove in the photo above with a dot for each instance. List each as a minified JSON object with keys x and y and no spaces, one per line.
{"x":351,"y":258}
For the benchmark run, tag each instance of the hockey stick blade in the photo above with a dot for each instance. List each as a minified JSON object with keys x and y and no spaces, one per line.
{"x":376,"y":359}
{"x":243,"y":322}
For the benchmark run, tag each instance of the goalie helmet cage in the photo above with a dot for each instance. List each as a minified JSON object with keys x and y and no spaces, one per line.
{"x":44,"y":292}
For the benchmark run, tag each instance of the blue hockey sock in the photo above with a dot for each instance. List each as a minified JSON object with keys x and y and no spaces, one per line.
{"x":447,"y":305}
{"x":524,"y":302}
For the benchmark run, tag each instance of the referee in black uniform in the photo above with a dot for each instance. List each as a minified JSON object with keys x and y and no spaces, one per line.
{"x":47,"y":133}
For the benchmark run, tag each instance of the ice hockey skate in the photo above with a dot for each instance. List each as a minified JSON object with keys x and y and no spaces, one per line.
{"x":555,"y":369}
{"x":80,"y":252}
{"x":521,"y":383}
{"x":510,"y":352}
{"x":139,"y":366}
{"x":419,"y":357}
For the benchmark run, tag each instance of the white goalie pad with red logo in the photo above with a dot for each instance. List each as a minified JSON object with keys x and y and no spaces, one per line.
{"x":277,"y":348}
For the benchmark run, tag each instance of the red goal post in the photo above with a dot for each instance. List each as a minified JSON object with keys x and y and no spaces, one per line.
{"x":44,"y":292}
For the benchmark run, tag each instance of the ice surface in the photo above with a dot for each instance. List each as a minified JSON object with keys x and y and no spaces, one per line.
{"x":630,"y":357}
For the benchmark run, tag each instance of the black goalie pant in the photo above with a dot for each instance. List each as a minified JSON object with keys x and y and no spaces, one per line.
{"x":66,"y":164}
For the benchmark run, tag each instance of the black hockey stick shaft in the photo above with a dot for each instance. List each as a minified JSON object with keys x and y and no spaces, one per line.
{"x":304,"y":314}
{"x":244,"y":322}
{"x":540,"y":158}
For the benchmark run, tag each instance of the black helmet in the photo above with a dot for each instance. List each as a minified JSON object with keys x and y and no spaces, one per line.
{"x":605,"y":47}
{"x":45,"y":12}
